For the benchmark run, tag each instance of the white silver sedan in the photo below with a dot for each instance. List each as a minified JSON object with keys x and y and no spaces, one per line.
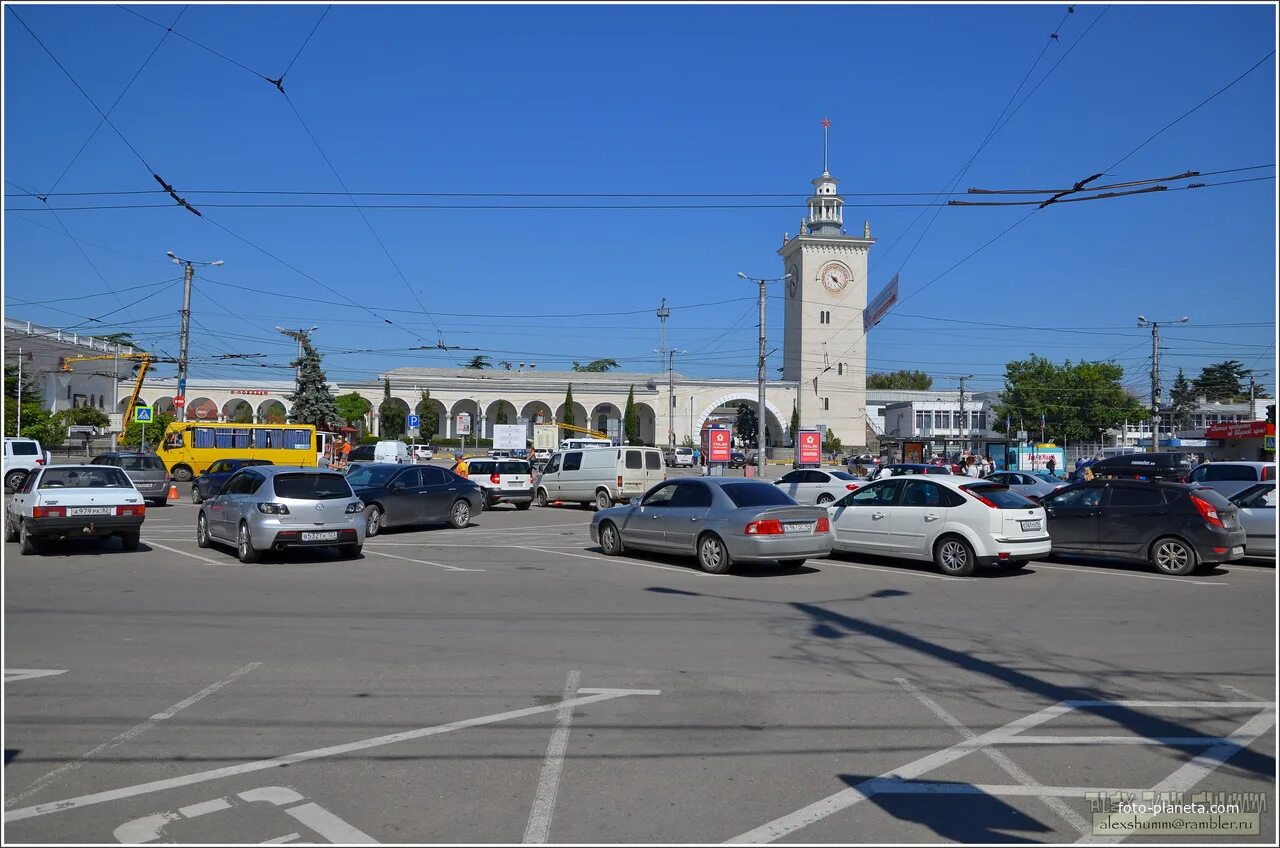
{"x":1258,"y":518}
{"x":57,"y":502}
{"x":819,"y":486}
{"x":1034,"y":486}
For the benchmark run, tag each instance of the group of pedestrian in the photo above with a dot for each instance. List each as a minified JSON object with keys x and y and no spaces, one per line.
{"x":977,"y":466}
{"x":338,"y":454}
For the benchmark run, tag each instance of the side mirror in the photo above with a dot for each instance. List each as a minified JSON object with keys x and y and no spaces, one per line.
{"x":634,"y":502}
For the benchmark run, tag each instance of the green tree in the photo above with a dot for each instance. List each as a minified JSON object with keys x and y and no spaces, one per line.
{"x":795,"y":421}
{"x":132,"y":435}
{"x":901,"y":380}
{"x":568,"y":413}
{"x":86,"y":416}
{"x":430,"y":419}
{"x":25,"y":396}
{"x":351,"y":407}
{"x":505,"y":365}
{"x":747,"y":425}
{"x":1183,"y":404}
{"x":1224,"y":381}
{"x":687,"y":442}
{"x":1076,"y":399}
{"x":831,"y":442}
{"x":243,"y":414}
{"x":122,"y":339}
{"x":479,"y":362}
{"x":500,"y":417}
{"x":630,"y":423}
{"x":391,"y":419}
{"x":312,"y":401}
{"x":596,"y":365}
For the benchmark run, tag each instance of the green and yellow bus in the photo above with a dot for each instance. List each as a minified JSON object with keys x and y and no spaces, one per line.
{"x":189,"y":447}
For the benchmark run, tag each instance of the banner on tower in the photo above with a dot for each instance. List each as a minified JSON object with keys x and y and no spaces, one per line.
{"x":882,"y":304}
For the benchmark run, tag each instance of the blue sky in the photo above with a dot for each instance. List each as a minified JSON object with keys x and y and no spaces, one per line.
{"x":712,"y":100}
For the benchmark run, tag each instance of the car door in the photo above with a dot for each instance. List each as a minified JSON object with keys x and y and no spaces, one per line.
{"x":1132,"y":516}
{"x":686,"y":516}
{"x":790,"y":483}
{"x":1072,"y":517}
{"x":223,"y":512}
{"x":915,"y":521}
{"x":439,"y":490}
{"x":860,"y":520}
{"x":404,"y":503}
{"x":1258,"y":518}
{"x":645,"y":529}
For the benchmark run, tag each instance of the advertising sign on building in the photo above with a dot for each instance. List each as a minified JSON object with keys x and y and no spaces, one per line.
{"x":1240,"y":430}
{"x":463,"y":424}
{"x":720,"y":441}
{"x":809,"y":447}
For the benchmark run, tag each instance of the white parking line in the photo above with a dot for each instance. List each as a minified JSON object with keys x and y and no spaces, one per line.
{"x":306,"y":756}
{"x":898,"y":571}
{"x":156,"y":544}
{"x":136,"y":730}
{"x":544,"y":800}
{"x":421,"y":561}
{"x":1107,"y":573}
{"x":612,"y":560}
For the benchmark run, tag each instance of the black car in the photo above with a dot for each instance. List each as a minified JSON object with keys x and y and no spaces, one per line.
{"x":208,"y":484}
{"x":1174,"y":526}
{"x":398,"y":495}
{"x":361,"y":453}
{"x":1171,"y":465}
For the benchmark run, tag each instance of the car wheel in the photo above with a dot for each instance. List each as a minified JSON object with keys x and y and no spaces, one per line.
{"x":713,"y":556}
{"x":523,"y":506}
{"x":244,"y":546}
{"x":196,"y":497}
{"x":130,"y":541}
{"x":460,"y":515}
{"x":202,"y":532}
{"x":14,"y":479}
{"x":1173,"y":556}
{"x":373,"y":520}
{"x":610,"y":539}
{"x":485,"y":506}
{"x":541,"y":497}
{"x":603,"y":501}
{"x":349,"y":551}
{"x":825,"y":499}
{"x":30,"y":544}
{"x":181,"y":474}
{"x":10,"y":529}
{"x":954,"y":557}
{"x":790,"y":563}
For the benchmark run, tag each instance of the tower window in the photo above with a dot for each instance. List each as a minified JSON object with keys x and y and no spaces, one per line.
{"x":839,"y":369}
{"x":826,"y":404}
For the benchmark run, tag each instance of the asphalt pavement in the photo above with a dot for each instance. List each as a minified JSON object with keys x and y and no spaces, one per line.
{"x":508,"y":683}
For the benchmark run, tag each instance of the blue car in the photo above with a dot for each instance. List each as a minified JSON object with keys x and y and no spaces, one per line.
{"x":208,"y":484}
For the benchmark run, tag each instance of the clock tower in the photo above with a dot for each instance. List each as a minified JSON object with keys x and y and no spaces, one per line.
{"x":824,"y":348}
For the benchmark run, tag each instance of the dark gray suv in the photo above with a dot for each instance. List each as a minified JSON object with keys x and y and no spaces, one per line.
{"x":146,"y":470}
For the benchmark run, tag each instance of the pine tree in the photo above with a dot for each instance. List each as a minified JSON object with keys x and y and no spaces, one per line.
{"x":631,"y":426}
{"x":430,"y":419}
{"x":568,"y":413}
{"x":312,"y":401}
{"x":1183,"y":402}
{"x":795,"y":422}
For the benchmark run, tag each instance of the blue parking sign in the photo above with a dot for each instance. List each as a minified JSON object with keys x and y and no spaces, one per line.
{"x":414,"y":421}
{"x":142,"y":413}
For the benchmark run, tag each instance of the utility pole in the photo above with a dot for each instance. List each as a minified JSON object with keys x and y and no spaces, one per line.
{"x":19,"y":430}
{"x":188,"y":275}
{"x":964,"y":422}
{"x":760,"y":407}
{"x":663,"y":314}
{"x":1155,"y":375}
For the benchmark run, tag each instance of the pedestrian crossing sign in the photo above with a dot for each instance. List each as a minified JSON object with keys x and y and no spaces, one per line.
{"x":142,"y":414}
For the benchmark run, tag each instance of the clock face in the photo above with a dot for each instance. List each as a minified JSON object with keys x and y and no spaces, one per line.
{"x":834,"y":277}
{"x":793,"y":284}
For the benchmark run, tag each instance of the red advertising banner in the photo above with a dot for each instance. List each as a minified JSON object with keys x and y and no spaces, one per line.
{"x":1240,"y":430}
{"x":721,"y":443}
{"x":810,"y":447}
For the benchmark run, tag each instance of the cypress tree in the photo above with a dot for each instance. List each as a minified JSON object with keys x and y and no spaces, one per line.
{"x":568,"y":413}
{"x":631,"y":426}
{"x":795,"y":422}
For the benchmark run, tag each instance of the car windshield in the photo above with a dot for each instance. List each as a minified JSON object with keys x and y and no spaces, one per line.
{"x":1045,"y":475}
{"x":756,"y":494}
{"x":98,"y":477}
{"x":1002,"y":496}
{"x":140,"y":463}
{"x":371,"y":475}
{"x":311,"y":487}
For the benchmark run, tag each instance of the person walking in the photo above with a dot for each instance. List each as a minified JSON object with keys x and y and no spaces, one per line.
{"x":1051,"y":465}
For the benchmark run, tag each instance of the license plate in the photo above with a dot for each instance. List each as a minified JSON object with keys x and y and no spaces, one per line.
{"x":90,"y":510}
{"x":1237,"y":552}
{"x":798,"y":528}
{"x":327,"y":536}
{"x":1030,"y":525}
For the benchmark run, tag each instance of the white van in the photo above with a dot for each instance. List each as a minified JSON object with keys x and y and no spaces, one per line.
{"x":600,"y":476}
{"x":578,"y":444}
{"x":392,"y":452}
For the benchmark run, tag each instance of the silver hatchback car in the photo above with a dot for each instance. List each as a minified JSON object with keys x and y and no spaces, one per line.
{"x":272,"y":507}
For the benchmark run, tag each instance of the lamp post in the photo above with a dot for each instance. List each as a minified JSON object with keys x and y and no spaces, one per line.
{"x":1155,"y":374}
{"x":189,"y":274}
{"x":760,"y":410}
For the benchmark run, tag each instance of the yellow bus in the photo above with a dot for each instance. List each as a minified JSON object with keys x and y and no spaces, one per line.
{"x":189,"y":447}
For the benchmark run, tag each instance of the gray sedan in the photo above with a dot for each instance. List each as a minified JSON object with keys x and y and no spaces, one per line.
{"x":1028,"y":485}
{"x":273,"y":507}
{"x":721,"y":521}
{"x":1258,"y":518}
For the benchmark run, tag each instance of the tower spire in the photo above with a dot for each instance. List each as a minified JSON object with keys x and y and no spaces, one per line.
{"x":826,"y":126}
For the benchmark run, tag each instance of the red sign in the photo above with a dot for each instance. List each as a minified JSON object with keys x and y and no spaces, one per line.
{"x":721,"y":442}
{"x":810,"y":447}
{"x":1240,"y":430}
{"x":179,"y":402}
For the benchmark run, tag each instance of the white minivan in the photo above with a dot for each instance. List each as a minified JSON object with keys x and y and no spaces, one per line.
{"x":603,"y":476}
{"x":389,"y":451}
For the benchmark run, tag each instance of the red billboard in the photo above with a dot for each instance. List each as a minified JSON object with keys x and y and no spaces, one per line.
{"x":721,"y":441}
{"x":1240,"y":430}
{"x":810,"y":447}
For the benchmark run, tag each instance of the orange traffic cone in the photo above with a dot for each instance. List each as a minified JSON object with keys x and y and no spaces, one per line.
{"x":173,"y":491}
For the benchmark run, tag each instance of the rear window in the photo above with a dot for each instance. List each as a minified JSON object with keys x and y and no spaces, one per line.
{"x":756,"y":494}
{"x":311,"y":487}
{"x":511,"y":466}
{"x":634,"y":459}
{"x":842,"y":475}
{"x":98,"y":477}
{"x":1001,"y":496}
{"x":139,"y":463}
{"x":1227,"y":472}
{"x":653,"y":461}
{"x":24,"y":448}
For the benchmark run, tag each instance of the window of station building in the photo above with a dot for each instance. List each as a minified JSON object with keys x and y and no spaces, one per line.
{"x":826,"y":404}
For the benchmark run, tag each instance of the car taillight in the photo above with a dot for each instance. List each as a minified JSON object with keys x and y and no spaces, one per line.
{"x":273,"y":508}
{"x":39,"y":462}
{"x":355,"y":506}
{"x":495,"y":479}
{"x":824,"y":525}
{"x":131,"y":509}
{"x":1207,"y":511}
{"x":49,"y":512}
{"x":619,"y":481}
{"x":851,"y":486}
{"x":768,"y":527}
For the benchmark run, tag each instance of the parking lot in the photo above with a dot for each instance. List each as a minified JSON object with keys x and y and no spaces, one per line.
{"x":506,"y":682}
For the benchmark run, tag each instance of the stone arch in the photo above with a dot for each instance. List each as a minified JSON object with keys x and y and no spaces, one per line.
{"x":272,"y":411}
{"x":442,"y":418}
{"x":467,"y":405}
{"x":579,"y":414}
{"x":602,"y":414}
{"x":399,"y":409}
{"x":198,"y":408}
{"x":507,"y":410}
{"x":647,"y":423}
{"x":163,"y":406}
{"x":238,"y":410}
{"x":124,"y":402}
{"x":773,"y":416}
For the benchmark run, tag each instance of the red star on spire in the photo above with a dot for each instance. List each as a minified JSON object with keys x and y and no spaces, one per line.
{"x":826,"y":122}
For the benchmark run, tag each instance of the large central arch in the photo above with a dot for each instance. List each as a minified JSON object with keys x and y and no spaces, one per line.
{"x":773,"y":416}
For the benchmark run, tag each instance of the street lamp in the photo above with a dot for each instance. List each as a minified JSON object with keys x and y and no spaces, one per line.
{"x":1155,"y":374}
{"x":760,"y":410}
{"x":188,"y":275}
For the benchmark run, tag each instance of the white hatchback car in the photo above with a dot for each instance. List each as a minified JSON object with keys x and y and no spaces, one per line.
{"x":820,"y":486}
{"x":956,"y":522}
{"x":422,"y":453}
